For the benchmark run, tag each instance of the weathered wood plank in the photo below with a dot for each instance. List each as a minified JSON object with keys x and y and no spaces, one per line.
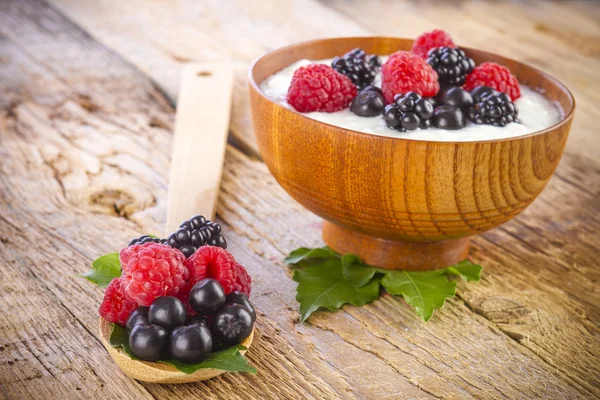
{"x":82,"y":170}
{"x":158,"y":37}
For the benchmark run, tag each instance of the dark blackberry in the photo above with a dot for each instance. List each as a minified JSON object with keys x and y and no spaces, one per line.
{"x":494,"y":109}
{"x":452,"y":65}
{"x":145,"y":239}
{"x":408,"y":112}
{"x":358,"y":66}
{"x":194,"y":233}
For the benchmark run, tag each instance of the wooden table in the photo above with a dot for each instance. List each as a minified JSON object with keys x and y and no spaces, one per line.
{"x":86,"y":114}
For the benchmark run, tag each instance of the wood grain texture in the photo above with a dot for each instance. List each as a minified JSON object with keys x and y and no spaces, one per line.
{"x":201,"y":130}
{"x":83,"y":168}
{"x":402,"y":190}
{"x":159,"y":37}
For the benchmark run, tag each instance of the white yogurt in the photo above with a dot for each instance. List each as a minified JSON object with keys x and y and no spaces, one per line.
{"x":535,"y":113}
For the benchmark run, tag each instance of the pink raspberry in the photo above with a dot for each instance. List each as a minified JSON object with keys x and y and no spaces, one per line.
{"x":406,"y":72}
{"x":318,"y":87}
{"x":115,"y":306}
{"x":152,"y":270}
{"x":184,"y":296}
{"x":431,"y":40}
{"x":243,"y":281}
{"x":496,"y":76}
{"x":217,"y":263}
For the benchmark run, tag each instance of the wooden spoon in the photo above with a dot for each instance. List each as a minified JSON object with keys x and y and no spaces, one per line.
{"x":201,"y":128}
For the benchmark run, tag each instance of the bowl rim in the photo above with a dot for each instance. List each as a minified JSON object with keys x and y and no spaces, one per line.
{"x":566,"y":116}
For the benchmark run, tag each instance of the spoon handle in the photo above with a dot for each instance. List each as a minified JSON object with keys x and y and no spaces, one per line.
{"x":200,"y":137}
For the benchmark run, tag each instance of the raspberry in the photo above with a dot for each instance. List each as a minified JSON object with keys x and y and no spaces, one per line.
{"x":318,"y":87}
{"x":184,"y":296}
{"x":217,"y":263}
{"x":242,"y":280}
{"x":405,"y":72}
{"x":115,"y":306}
{"x":495,"y":76}
{"x":430,"y":40}
{"x":152,"y":270}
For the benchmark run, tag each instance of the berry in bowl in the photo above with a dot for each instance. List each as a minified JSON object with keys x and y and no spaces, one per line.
{"x":173,"y":314}
{"x":407,"y":148}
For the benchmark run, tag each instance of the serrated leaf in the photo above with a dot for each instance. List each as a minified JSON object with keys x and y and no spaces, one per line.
{"x":104,"y":269}
{"x":304,"y":254}
{"x":466,"y":270}
{"x":355,"y":271}
{"x":324,"y":285}
{"x":229,"y":359}
{"x":425,"y":291}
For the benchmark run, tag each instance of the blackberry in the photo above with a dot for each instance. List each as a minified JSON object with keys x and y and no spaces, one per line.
{"x":494,"y":109}
{"x":408,"y":112}
{"x":196,"y":232}
{"x":145,"y":239}
{"x":452,"y":65}
{"x":358,"y":66}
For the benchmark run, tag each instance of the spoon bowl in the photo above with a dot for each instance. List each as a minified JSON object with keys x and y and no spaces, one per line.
{"x":156,"y":372}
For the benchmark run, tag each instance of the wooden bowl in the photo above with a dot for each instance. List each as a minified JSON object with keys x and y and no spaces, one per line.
{"x":156,"y":372}
{"x":400,"y":203}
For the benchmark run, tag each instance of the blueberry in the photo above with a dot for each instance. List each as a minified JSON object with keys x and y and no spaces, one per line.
{"x":191,"y":344}
{"x":448,"y":117}
{"x":457,"y":97}
{"x":196,"y":319}
{"x":168,"y":312}
{"x":368,"y":103}
{"x":138,"y":316}
{"x":423,"y":108}
{"x":231,"y":324}
{"x":241,"y":299}
{"x":149,"y":342}
{"x":478,"y":92}
{"x":372,"y":88}
{"x":207,"y":296}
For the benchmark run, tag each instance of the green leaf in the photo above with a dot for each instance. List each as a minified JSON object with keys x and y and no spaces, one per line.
{"x":466,"y":270}
{"x":323,"y":285}
{"x":425,"y":291}
{"x":229,"y":359}
{"x":355,"y":271}
{"x":104,"y":270}
{"x":304,"y":254}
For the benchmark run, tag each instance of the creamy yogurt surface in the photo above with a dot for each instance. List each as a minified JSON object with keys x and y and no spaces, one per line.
{"x":536,"y":112}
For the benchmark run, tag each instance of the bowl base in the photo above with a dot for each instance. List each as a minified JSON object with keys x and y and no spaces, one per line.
{"x":393,"y":254}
